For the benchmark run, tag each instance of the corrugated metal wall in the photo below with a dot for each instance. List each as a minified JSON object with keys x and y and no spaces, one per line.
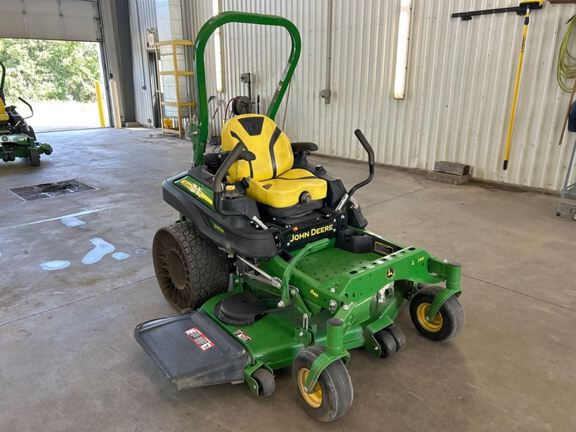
{"x":142,"y":17}
{"x":50,"y":19}
{"x":459,"y":88}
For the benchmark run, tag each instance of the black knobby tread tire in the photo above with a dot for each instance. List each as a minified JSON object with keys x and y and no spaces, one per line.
{"x":34,"y":157}
{"x":207,"y":271}
{"x":452,"y":314}
{"x":266,"y":382}
{"x":398,"y":334}
{"x":335,"y":381}
{"x":387,"y":343}
{"x":30,"y":132}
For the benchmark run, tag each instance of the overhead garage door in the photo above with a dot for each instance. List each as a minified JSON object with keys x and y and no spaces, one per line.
{"x":50,"y":19}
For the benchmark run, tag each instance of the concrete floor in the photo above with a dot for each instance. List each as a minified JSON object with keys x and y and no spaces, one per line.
{"x":68,"y":361}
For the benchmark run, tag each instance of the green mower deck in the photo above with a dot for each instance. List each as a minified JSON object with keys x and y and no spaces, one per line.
{"x":14,"y":146}
{"x":335,"y":283}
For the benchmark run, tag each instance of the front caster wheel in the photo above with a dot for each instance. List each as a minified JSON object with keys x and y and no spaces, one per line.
{"x":445,"y":325}
{"x":332,"y":394}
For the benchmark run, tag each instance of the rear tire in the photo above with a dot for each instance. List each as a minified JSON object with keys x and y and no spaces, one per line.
{"x":34,"y":157}
{"x":189,"y":269}
{"x":333,"y":393}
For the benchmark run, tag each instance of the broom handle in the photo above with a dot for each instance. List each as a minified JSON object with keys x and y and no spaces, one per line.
{"x":516,"y":91}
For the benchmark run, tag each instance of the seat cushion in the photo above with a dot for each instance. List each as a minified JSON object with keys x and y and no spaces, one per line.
{"x":286,"y":189}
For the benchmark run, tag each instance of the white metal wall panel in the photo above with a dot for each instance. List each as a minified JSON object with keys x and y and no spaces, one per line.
{"x":50,"y":19}
{"x":459,"y":89}
{"x":142,"y":18}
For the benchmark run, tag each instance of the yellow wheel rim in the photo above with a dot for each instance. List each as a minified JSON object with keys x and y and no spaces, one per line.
{"x":314,"y":398}
{"x":432,"y":326}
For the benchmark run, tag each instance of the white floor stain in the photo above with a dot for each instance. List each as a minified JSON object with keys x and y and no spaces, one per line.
{"x":85,"y":212}
{"x":55,"y":265}
{"x":72,"y":221}
{"x":120,"y":256}
{"x":101,"y":249}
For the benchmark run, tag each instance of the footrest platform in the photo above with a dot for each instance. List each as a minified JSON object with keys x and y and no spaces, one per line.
{"x":192,"y":350}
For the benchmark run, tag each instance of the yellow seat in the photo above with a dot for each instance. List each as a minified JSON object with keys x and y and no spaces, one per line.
{"x":3,"y":114}
{"x":271,"y":179}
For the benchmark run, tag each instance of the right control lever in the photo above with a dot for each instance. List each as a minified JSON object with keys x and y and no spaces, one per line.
{"x":371,"y":164}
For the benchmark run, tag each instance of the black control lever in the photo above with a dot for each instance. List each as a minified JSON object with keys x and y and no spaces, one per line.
{"x":371,"y":164}
{"x":239,"y":152}
{"x":3,"y":76}
{"x":29,"y":106}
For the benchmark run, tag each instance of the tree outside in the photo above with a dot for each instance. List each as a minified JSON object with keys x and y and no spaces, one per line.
{"x":50,"y":70}
{"x":56,"y":77}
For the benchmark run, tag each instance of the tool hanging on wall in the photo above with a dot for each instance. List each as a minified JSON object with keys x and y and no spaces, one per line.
{"x":524,"y":8}
{"x":566,"y":69}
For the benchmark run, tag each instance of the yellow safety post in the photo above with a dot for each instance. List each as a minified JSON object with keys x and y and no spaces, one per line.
{"x":516,"y":91}
{"x":100,"y":103}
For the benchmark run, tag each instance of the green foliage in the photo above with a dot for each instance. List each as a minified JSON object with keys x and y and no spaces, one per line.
{"x":49,"y":70}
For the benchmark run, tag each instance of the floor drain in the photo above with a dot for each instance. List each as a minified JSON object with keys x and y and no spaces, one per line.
{"x":47,"y":190}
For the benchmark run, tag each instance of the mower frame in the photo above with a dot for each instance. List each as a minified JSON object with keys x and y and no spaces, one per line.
{"x":199,"y":128}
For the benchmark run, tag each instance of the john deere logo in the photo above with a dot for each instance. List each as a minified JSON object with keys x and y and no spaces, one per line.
{"x":390,"y":273}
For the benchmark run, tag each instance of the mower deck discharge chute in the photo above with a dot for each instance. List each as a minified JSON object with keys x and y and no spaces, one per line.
{"x":271,"y":265}
{"x":17,"y":138}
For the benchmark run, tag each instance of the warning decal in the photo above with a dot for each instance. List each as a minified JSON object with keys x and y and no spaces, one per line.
{"x":199,"y":339}
{"x":242,"y":336}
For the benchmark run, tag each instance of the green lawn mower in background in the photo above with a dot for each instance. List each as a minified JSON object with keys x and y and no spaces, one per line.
{"x":17,"y":138}
{"x":271,"y":265}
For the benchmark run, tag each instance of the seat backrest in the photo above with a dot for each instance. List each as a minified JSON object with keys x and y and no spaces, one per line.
{"x":262,"y":137}
{"x":3,"y":114}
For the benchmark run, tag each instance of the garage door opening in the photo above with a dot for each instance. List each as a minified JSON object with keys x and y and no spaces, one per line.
{"x":58,"y":79}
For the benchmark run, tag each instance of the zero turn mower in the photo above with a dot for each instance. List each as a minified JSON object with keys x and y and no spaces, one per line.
{"x":271,"y":265}
{"x":17,"y":138}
